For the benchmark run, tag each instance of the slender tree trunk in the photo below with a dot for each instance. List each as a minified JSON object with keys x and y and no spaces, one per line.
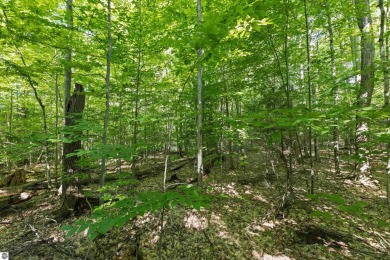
{"x":383,"y":54}
{"x":68,"y":54}
{"x":56,"y":126}
{"x":384,"y":61}
{"x":41,"y":105}
{"x":315,"y":103}
{"x":11,"y":109}
{"x":67,"y":86}
{"x":225,"y":105}
{"x":367,"y":70}
{"x":44,"y":121}
{"x":167,"y":154}
{"x":199,"y":106}
{"x":336,"y":145}
{"x":137,"y":86}
{"x":10,"y":119}
{"x":386,"y":94}
{"x":106,"y":115}
{"x":121,"y":130}
{"x":289,"y":99}
{"x":309,"y":96}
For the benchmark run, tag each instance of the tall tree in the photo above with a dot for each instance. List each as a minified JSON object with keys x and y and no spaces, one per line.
{"x":137,"y":86}
{"x":107,"y":111}
{"x":67,"y":84}
{"x":384,"y":61}
{"x":70,"y":183}
{"x":199,"y":104}
{"x":68,"y":52}
{"x":336,"y":144}
{"x":309,"y":95}
{"x":367,"y":70}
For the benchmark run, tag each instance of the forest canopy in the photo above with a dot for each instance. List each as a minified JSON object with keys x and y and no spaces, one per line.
{"x":112,"y":111}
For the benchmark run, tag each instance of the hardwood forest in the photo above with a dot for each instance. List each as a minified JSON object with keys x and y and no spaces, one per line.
{"x":225,"y":129}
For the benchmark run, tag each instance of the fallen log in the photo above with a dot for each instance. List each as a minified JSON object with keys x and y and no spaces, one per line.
{"x":15,"y":198}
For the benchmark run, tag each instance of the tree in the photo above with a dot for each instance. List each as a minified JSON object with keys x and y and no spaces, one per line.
{"x":107,"y":111}
{"x":367,"y":70}
{"x":199,"y":168}
{"x":336,"y":144}
{"x":72,"y":144}
{"x":309,"y":96}
{"x":384,"y":60}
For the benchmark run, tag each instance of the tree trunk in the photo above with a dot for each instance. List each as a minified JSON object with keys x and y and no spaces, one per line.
{"x":108,"y":73}
{"x":289,"y":101}
{"x":137,"y":86}
{"x":68,"y":54}
{"x":56,"y":127}
{"x":70,"y":183}
{"x":366,"y":89}
{"x":10,"y":119}
{"x":384,"y":61}
{"x":309,"y":97}
{"x":199,"y":106}
{"x":336,"y":145}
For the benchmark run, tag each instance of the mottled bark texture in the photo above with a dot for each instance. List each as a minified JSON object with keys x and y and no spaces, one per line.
{"x":70,"y":185}
{"x":367,"y":70}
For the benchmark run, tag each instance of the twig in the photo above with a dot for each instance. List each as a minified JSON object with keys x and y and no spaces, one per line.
{"x":349,"y":175}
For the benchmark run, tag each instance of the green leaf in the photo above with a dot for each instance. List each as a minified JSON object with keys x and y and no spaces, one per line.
{"x":188,"y":202}
{"x":71,"y":232}
{"x":92,"y":236}
{"x":66,"y":227}
{"x":174,"y":203}
{"x":83,"y":227}
{"x":196,"y":206}
{"x":383,"y":223}
{"x":336,"y":198}
{"x":323,"y":214}
{"x":105,"y":226}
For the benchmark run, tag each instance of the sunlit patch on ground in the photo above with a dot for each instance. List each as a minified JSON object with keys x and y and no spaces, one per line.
{"x":231,"y":190}
{"x":195,"y":221}
{"x":255,"y":228}
{"x":216,"y":219}
{"x":275,"y":257}
{"x":56,"y":236}
{"x":260,"y":198}
{"x":257,"y":256}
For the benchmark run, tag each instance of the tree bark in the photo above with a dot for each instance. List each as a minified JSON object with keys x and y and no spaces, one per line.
{"x":70,"y":183}
{"x":68,"y":53}
{"x":336,"y":145}
{"x":199,"y":106}
{"x":56,"y":126}
{"x":137,"y":86}
{"x":366,"y":89}
{"x":384,"y":61}
{"x":309,"y":96}
{"x":67,"y":78}
{"x":106,"y":115}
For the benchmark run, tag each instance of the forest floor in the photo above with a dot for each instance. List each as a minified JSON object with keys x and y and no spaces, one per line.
{"x":345,"y":220}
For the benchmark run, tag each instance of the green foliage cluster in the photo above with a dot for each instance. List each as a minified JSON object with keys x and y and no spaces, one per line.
{"x":356,"y":208}
{"x":119,"y":211}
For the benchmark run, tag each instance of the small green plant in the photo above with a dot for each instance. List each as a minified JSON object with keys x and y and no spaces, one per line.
{"x":116,"y":213}
{"x":357,"y":208}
